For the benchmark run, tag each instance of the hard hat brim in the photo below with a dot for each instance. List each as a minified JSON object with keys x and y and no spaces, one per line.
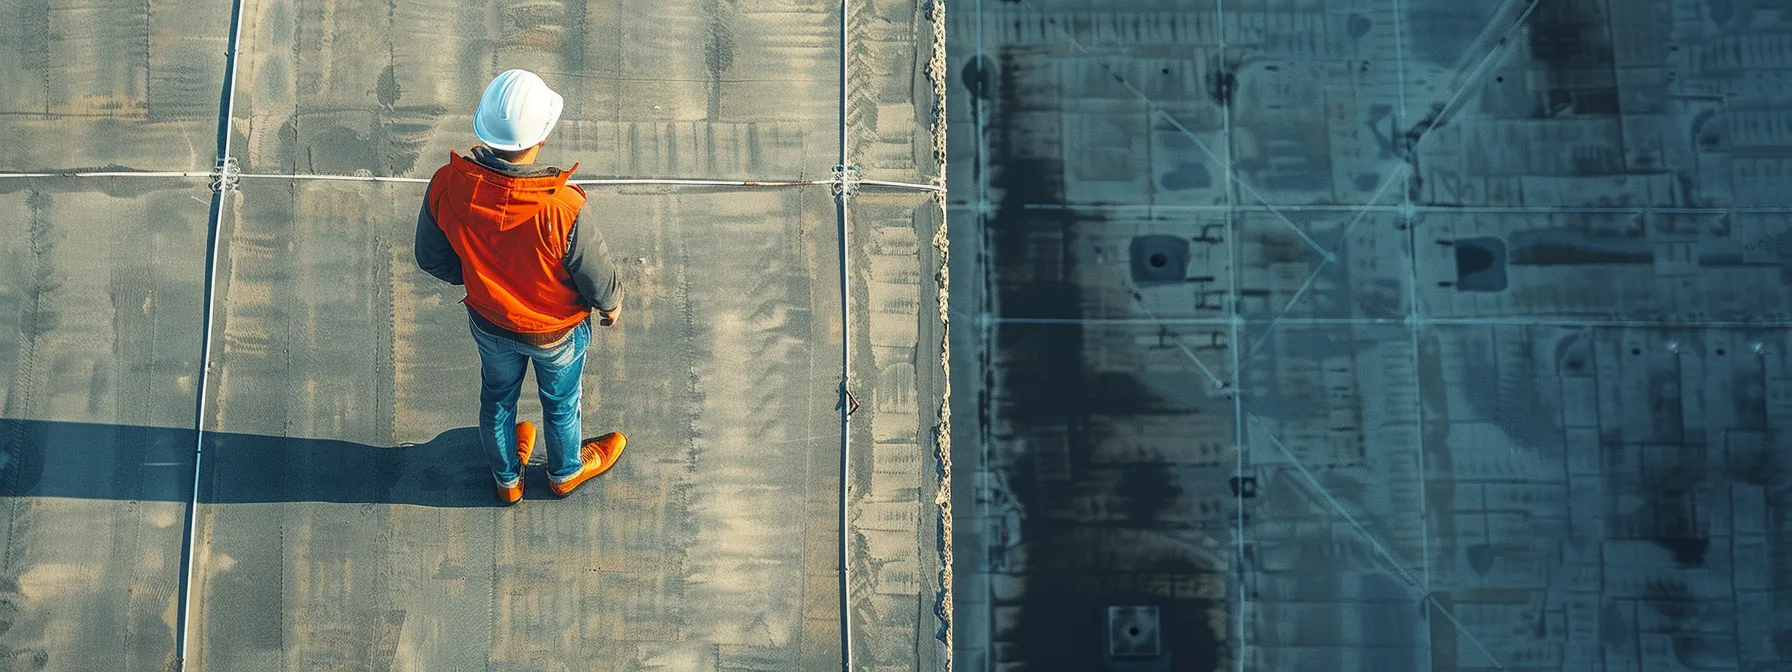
{"x":492,"y":141}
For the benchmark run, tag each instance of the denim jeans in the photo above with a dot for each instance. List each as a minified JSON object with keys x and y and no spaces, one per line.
{"x":558,"y":369}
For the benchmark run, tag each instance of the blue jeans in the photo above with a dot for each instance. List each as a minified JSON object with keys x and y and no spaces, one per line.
{"x":558,"y":370}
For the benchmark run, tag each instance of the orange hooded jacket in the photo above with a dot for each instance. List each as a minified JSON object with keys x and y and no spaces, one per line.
{"x":511,"y":234}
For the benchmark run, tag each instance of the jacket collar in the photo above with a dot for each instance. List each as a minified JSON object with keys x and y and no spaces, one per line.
{"x":486,"y":159}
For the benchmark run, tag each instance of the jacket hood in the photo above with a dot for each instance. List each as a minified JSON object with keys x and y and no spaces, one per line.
{"x":508,"y":200}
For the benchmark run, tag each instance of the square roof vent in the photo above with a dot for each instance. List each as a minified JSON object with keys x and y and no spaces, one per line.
{"x":1159,"y":258}
{"x":1133,"y":633}
{"x":1480,"y":264}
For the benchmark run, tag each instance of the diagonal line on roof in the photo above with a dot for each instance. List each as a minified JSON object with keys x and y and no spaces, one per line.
{"x":1375,"y":543}
{"x":1158,"y":109}
{"x":1469,"y":80}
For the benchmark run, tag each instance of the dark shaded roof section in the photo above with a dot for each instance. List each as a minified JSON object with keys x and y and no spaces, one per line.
{"x":1422,"y":335}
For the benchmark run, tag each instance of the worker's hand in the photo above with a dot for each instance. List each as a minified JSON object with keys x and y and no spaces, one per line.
{"x":608,"y":317}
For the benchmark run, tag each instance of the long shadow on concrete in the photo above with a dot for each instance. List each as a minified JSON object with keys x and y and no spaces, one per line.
{"x":102,"y":461}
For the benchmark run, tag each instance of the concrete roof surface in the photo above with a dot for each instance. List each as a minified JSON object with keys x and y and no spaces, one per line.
{"x":343,"y":518}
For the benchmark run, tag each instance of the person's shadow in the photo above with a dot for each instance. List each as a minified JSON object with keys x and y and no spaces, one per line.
{"x":98,"y":461}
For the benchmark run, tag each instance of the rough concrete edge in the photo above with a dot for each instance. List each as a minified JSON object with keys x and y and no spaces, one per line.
{"x":942,"y":500}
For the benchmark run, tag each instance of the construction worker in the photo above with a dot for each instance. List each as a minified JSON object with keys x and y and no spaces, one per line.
{"x":535,"y":267}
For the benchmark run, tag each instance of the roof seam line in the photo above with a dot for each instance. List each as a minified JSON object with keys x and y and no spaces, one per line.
{"x":222,"y":176}
{"x":837,"y":181}
{"x":844,"y":188}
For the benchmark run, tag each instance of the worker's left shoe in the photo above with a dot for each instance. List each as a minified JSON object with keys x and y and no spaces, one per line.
{"x":525,"y":446}
{"x":595,"y":457}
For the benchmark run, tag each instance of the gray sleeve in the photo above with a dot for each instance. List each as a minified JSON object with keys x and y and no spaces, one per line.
{"x":434,"y":255}
{"x":588,"y":261}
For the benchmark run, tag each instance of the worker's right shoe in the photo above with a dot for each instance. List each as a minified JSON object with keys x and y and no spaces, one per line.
{"x":525,"y":445}
{"x":595,"y":457}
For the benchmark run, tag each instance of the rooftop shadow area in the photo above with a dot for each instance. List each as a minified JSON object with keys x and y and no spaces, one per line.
{"x":57,"y":459}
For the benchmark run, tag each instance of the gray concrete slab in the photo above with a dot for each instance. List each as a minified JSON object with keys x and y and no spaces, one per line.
{"x":690,"y":89}
{"x":894,"y":101}
{"x":99,"y":336}
{"x":112,"y":83}
{"x":346,"y":517}
{"x":1337,"y":529}
{"x":343,"y":518}
{"x":898,"y":379}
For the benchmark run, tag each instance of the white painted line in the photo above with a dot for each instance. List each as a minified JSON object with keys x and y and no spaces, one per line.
{"x":114,"y":173}
{"x":333,"y":178}
{"x":189,"y":555}
{"x":1520,"y":321}
{"x":1234,"y":320}
{"x":934,"y":188}
{"x":842,"y":197}
{"x":1427,"y":209}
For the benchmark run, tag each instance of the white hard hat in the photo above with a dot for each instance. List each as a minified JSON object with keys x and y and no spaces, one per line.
{"x":517,"y":111}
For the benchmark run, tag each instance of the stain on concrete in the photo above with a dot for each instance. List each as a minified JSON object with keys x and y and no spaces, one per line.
{"x":975,"y":78}
{"x":386,"y":89}
{"x":718,"y":49}
{"x":1222,"y":84}
{"x":1186,"y":176}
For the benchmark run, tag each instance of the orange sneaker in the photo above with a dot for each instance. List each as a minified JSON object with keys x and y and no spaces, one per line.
{"x":525,"y":446}
{"x":597,"y":456}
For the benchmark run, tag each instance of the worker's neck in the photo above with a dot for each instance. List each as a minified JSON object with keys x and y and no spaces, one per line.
{"x":522,"y":158}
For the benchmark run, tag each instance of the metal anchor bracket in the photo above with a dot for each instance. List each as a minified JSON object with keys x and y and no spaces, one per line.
{"x":847,"y":179}
{"x":226,"y":175}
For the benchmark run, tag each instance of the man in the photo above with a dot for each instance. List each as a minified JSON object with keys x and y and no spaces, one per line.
{"x":534,"y":269}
